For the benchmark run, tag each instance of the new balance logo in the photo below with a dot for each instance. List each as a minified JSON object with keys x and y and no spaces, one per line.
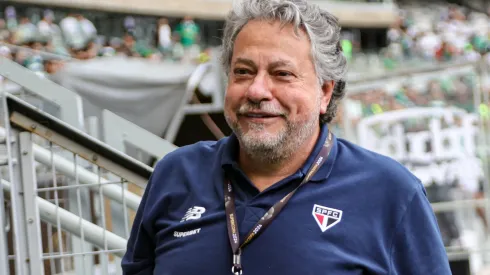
{"x":193,"y":213}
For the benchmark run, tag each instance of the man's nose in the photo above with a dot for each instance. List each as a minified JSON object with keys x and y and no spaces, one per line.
{"x":260,"y":89}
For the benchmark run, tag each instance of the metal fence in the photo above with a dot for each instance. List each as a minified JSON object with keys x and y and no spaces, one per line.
{"x":51,"y":227}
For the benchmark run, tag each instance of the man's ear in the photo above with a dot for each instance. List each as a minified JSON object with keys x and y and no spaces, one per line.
{"x":327,"y":90}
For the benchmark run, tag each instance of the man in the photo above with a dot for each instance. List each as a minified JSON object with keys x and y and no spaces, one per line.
{"x":51,"y":34}
{"x":282,"y":195}
{"x":164,"y":36}
{"x":73,"y":32}
{"x":188,"y":32}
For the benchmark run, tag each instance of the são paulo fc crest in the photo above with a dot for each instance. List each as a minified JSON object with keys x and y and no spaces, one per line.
{"x":326,"y":217}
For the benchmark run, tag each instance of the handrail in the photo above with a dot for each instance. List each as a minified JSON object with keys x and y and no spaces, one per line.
{"x":27,"y":117}
{"x":71,"y":222}
{"x":93,"y":181}
{"x":119,"y":131}
{"x":61,"y":164}
{"x":192,"y":84}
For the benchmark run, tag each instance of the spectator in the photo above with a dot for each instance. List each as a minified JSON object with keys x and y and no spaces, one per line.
{"x":164,"y":36}
{"x":444,"y":52}
{"x":129,"y":24}
{"x":117,"y":44}
{"x":73,"y":32}
{"x":11,"y":16}
{"x":189,"y":35}
{"x":428,"y":44}
{"x":44,"y":26}
{"x":35,"y":63}
{"x":107,"y":50}
{"x":26,"y":32}
{"x":188,"y":32}
{"x":52,"y":34}
{"x":4,"y":32}
{"x":88,"y":29}
{"x":389,"y":60}
{"x":135,"y":48}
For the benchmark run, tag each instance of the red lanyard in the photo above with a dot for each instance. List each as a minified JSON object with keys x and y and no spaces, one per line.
{"x":262,"y":224}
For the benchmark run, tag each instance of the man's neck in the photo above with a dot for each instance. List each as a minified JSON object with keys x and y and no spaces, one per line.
{"x":264,"y":174}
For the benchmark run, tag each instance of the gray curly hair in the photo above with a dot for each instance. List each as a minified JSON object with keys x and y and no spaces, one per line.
{"x":321,"y":27}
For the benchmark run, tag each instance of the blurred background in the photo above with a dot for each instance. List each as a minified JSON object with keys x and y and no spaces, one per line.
{"x":84,"y":81}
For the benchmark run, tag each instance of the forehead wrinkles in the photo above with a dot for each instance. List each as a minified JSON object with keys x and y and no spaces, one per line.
{"x":271,"y":34}
{"x":261,"y":41}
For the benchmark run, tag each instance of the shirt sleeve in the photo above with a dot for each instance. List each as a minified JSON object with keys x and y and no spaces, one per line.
{"x":140,"y":254}
{"x":417,"y":247}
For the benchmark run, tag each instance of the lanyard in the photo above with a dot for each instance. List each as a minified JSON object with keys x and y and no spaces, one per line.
{"x":262,"y":224}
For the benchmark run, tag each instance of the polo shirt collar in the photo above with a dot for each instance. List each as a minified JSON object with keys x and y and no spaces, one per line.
{"x":230,"y":154}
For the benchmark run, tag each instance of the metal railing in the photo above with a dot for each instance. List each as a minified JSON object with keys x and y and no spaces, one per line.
{"x":48,"y":160}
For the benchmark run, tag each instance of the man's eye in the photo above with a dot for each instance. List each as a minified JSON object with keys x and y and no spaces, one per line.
{"x":283,"y":74}
{"x":241,"y":71}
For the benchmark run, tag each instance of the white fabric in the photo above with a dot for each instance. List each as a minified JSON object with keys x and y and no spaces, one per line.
{"x":165,"y":36}
{"x":429,"y":44}
{"x":44,"y":28}
{"x":72,"y":31}
{"x":145,"y":93}
{"x":88,"y":28}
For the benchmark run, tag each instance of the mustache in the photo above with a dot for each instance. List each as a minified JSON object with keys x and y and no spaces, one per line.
{"x":263,"y":108}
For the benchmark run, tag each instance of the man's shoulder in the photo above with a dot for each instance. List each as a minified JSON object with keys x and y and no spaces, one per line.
{"x":376,"y":170}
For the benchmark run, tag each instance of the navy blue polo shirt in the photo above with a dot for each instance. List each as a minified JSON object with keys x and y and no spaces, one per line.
{"x":361,"y":213}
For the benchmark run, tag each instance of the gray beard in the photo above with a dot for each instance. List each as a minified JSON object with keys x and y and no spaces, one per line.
{"x":273,"y":149}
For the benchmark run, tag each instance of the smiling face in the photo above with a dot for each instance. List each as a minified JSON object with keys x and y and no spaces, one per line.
{"x":273,"y":100}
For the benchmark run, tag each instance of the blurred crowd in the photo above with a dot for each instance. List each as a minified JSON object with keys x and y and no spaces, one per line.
{"x":432,"y":33}
{"x":422,"y":34}
{"x":455,"y":91}
{"x":75,"y":36}
{"x":437,"y":33}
